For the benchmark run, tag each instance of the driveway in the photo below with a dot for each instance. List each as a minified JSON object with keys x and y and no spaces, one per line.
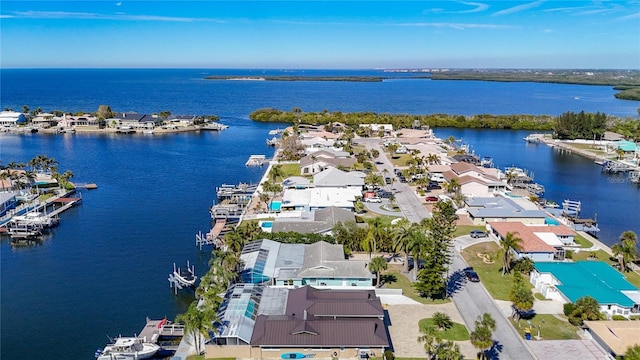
{"x":404,"y":331}
{"x":378,"y":208}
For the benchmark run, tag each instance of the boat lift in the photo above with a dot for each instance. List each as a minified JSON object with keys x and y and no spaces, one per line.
{"x":176,"y":282}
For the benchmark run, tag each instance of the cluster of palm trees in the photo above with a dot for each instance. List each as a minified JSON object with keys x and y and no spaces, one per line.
{"x":428,"y":240}
{"x":225,"y":266}
{"x":22,"y":175}
{"x":482,"y":335}
{"x":434,"y":346}
{"x":626,"y":251}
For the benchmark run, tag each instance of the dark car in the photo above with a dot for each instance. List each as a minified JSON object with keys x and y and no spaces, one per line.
{"x":471,"y":275}
{"x":431,"y":198}
{"x":384,"y":194}
{"x":434,"y":186}
{"x":387,"y":180}
{"x":402,"y":179}
{"x":478,"y":234}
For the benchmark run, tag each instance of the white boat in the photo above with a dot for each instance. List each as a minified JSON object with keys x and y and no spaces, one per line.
{"x":273,"y":141}
{"x":148,"y":131}
{"x":486,"y":162}
{"x":185,"y":275}
{"x":35,"y":218}
{"x":128,"y":348}
{"x":23,"y":230}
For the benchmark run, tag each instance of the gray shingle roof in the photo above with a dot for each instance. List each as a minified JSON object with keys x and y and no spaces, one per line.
{"x":336,"y":177}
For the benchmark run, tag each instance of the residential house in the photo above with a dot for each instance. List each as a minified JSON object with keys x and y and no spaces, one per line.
{"x":320,"y":264}
{"x":314,"y":222}
{"x":134,"y":121}
{"x":12,"y":118}
{"x":182,"y":120}
{"x":482,"y":210}
{"x":539,"y":242}
{"x":375,"y":128}
{"x":616,"y":337}
{"x":8,"y":200}
{"x":333,"y":177}
{"x":569,"y":281}
{"x":278,"y":323}
{"x":320,"y":160}
{"x":309,"y":199}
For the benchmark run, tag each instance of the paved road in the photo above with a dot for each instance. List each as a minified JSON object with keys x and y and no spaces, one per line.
{"x":472,"y":300}
{"x":410,"y":205}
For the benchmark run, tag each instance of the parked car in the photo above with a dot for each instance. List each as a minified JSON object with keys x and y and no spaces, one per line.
{"x":431,"y":199}
{"x":373,"y":199}
{"x":478,"y":234}
{"x":385,"y":194}
{"x":387,"y":180}
{"x":434,"y":186}
{"x":471,"y":275}
{"x":402,"y":179}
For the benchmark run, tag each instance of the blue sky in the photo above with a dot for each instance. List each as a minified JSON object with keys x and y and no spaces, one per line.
{"x":321,"y":34}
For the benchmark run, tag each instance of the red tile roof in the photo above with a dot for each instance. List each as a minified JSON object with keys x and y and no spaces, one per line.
{"x":530,"y":242}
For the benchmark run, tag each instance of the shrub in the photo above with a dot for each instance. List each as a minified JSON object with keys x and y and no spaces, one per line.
{"x":569,"y":254}
{"x":524,"y":266}
{"x":568,"y":308}
{"x":388,"y":355}
{"x":618,"y":317}
{"x":634,"y":317}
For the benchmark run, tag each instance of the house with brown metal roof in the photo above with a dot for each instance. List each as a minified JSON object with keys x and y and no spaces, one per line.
{"x":325,"y":323}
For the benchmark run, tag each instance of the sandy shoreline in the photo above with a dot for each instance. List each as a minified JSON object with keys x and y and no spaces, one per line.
{"x":96,"y":130}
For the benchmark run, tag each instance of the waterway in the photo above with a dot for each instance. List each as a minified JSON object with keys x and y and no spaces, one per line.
{"x":105,"y":267}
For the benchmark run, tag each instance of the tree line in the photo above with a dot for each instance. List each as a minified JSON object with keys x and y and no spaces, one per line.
{"x":568,"y":125}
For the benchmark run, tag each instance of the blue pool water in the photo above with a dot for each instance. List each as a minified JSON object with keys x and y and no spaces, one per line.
{"x":275,"y":205}
{"x":551,"y":221}
{"x":267,"y":224}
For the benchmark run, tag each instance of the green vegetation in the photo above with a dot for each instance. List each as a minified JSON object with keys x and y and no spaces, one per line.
{"x":570,"y":125}
{"x":288,"y":170}
{"x":482,"y":336}
{"x":520,"y":296}
{"x":457,"y":331}
{"x":627,"y":93}
{"x":582,"y":241}
{"x":539,"y":296}
{"x":551,"y":328}
{"x":466,"y":229}
{"x":299,"y":78}
{"x":394,"y":279}
{"x":490,"y":272}
{"x":481,"y":121}
{"x":621,"y":79}
{"x":585,"y":308}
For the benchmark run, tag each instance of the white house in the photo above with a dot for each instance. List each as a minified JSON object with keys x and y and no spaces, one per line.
{"x":12,"y":118}
{"x":569,"y":281}
{"x":332,"y":177}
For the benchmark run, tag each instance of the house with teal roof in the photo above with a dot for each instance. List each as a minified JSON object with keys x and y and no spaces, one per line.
{"x":626,"y":146}
{"x":568,"y":281}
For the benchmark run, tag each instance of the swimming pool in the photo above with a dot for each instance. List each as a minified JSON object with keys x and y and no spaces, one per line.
{"x":267,"y":224}
{"x":275,"y":205}
{"x":551,"y":221}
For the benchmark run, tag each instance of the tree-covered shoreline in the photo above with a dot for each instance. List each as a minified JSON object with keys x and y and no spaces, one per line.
{"x":568,"y":125}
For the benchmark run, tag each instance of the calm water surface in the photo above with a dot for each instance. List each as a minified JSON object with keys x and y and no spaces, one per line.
{"x":105,"y":267}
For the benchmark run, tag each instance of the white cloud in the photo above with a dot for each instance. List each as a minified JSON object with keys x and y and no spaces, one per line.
{"x":629,"y":17}
{"x":119,"y":3}
{"x":478,"y":7}
{"x":2,"y":16}
{"x":519,"y":8}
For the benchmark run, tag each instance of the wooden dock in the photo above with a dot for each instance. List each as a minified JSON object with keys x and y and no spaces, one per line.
{"x":154,"y":330}
{"x":256,"y":160}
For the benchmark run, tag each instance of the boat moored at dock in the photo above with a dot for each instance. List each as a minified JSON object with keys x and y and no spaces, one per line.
{"x":128,"y":348}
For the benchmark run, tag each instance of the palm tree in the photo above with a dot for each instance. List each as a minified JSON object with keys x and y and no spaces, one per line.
{"x":4,"y":175}
{"x":197,"y":323}
{"x":453,"y":186}
{"x":626,"y":251}
{"x":401,"y":234}
{"x":633,"y":352}
{"x":442,"y":320}
{"x":431,"y":339}
{"x":508,"y":243}
{"x":375,"y":235}
{"x":448,"y":351}
{"x":377,"y":265}
{"x":276,"y":172}
{"x":482,"y":337}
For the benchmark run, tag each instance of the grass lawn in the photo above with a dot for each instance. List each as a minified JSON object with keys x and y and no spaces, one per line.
{"x":457,"y":332}
{"x":633,"y":277}
{"x":393,"y":279}
{"x":465,"y":229}
{"x":589,"y":148}
{"x":288,"y":170}
{"x":584,"y":243}
{"x":586,"y":255}
{"x":551,"y":328}
{"x":399,"y":159}
{"x":539,"y":296}
{"x":490,"y":274}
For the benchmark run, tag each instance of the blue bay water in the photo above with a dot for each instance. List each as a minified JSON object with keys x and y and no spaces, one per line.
{"x":105,"y":267}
